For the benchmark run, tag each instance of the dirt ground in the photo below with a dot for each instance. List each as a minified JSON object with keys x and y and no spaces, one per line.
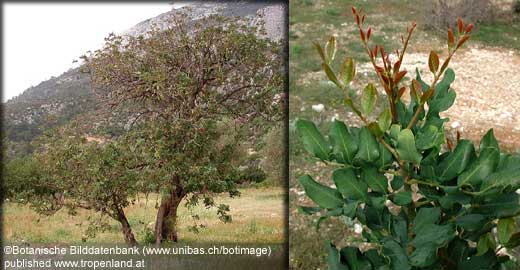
{"x":487,"y":82}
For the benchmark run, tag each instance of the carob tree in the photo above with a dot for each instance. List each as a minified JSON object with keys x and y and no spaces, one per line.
{"x":423,"y":201}
{"x":186,"y":87}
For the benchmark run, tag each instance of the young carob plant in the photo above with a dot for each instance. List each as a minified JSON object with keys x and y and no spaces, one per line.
{"x":423,"y":201}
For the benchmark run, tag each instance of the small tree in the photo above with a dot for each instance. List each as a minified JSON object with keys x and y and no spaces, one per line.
{"x":421,"y":205}
{"x":179,"y":85}
{"x":70,"y":172}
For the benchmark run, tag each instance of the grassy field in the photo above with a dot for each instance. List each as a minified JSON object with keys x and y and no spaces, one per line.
{"x":258,"y":218}
{"x":316,"y":20}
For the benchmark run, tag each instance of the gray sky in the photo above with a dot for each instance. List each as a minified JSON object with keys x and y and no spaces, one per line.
{"x":42,"y":40}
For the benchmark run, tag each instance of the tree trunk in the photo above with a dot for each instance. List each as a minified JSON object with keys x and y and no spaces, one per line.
{"x":125,"y":226}
{"x":166,"y":222}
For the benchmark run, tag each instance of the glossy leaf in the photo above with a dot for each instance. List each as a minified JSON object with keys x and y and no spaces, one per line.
{"x":368,"y":146}
{"x":331,"y":75}
{"x":331,"y":49}
{"x":333,"y":259}
{"x":349,"y":185}
{"x":397,"y":255}
{"x":385,"y":120}
{"x":368,"y":99}
{"x":344,"y":144}
{"x":505,"y":228}
{"x":347,"y":71}
{"x":429,"y":137}
{"x":406,"y":147}
{"x":456,"y":161}
{"x":385,"y":157}
{"x":312,"y":139}
{"x":485,"y":243}
{"x":323,"y":196}
{"x":402,"y":198}
{"x":354,"y":259}
{"x":375,"y":180}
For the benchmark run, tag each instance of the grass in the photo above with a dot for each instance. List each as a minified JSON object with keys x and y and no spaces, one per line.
{"x":257,"y":219}
{"x":499,"y":34}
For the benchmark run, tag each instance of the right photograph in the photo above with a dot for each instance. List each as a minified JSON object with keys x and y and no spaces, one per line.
{"x":404,"y":130}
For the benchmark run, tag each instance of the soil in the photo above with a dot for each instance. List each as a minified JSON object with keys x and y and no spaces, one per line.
{"x":487,"y":83}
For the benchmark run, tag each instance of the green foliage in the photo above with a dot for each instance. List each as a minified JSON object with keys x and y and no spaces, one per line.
{"x":444,"y":201}
{"x":191,"y":96}
{"x":198,"y":91}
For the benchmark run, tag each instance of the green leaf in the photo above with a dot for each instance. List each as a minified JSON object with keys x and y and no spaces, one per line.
{"x":368,"y":148}
{"x":312,"y":139}
{"x":426,"y":215}
{"x":331,"y":49}
{"x":489,"y":142}
{"x":385,"y":120}
{"x":375,"y":130}
{"x":309,"y":210}
{"x":484,"y":262}
{"x":514,"y":241}
{"x":402,"y":198}
{"x":344,"y":144}
{"x":347,"y":71}
{"x":397,"y":182}
{"x":423,"y":256}
{"x":454,"y":198}
{"x":508,"y":161}
{"x":320,"y":51}
{"x":375,"y":259}
{"x":397,"y":255}
{"x":429,"y":137}
{"x":400,"y":228}
{"x":350,"y":209}
{"x":406,"y":147}
{"x":333,"y":259}
{"x":444,"y":97}
{"x":395,"y":130}
{"x":437,"y":105}
{"x":331,"y":75}
{"x":323,"y":196}
{"x":479,"y":170}
{"x":486,"y":164}
{"x":441,"y":89}
{"x":385,"y":157}
{"x":501,"y":181}
{"x":354,"y":259}
{"x":428,"y":239}
{"x":368,"y":99}
{"x":351,"y":105}
{"x":470,"y":222}
{"x":456,"y":161}
{"x":505,"y":227}
{"x":375,"y":180}
{"x":498,"y":205}
{"x":349,"y":185}
{"x":486,"y":242}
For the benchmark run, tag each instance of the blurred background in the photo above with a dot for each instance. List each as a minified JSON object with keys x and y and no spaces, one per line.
{"x":487,"y":83}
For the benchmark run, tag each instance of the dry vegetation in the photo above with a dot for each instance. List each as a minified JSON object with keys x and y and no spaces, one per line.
{"x":257,"y":218}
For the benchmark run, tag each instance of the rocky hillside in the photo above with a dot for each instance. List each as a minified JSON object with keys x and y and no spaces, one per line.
{"x":61,"y":99}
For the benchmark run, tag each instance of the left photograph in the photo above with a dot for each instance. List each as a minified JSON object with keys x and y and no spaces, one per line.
{"x":144,"y":136}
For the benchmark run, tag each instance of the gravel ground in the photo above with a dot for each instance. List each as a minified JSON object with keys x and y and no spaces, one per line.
{"x":487,"y":82}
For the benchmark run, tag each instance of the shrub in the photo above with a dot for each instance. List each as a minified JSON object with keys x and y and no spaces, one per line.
{"x":516,"y":6}
{"x":440,"y":14}
{"x":273,"y":156}
{"x":251,"y":174}
{"x":416,"y":205}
